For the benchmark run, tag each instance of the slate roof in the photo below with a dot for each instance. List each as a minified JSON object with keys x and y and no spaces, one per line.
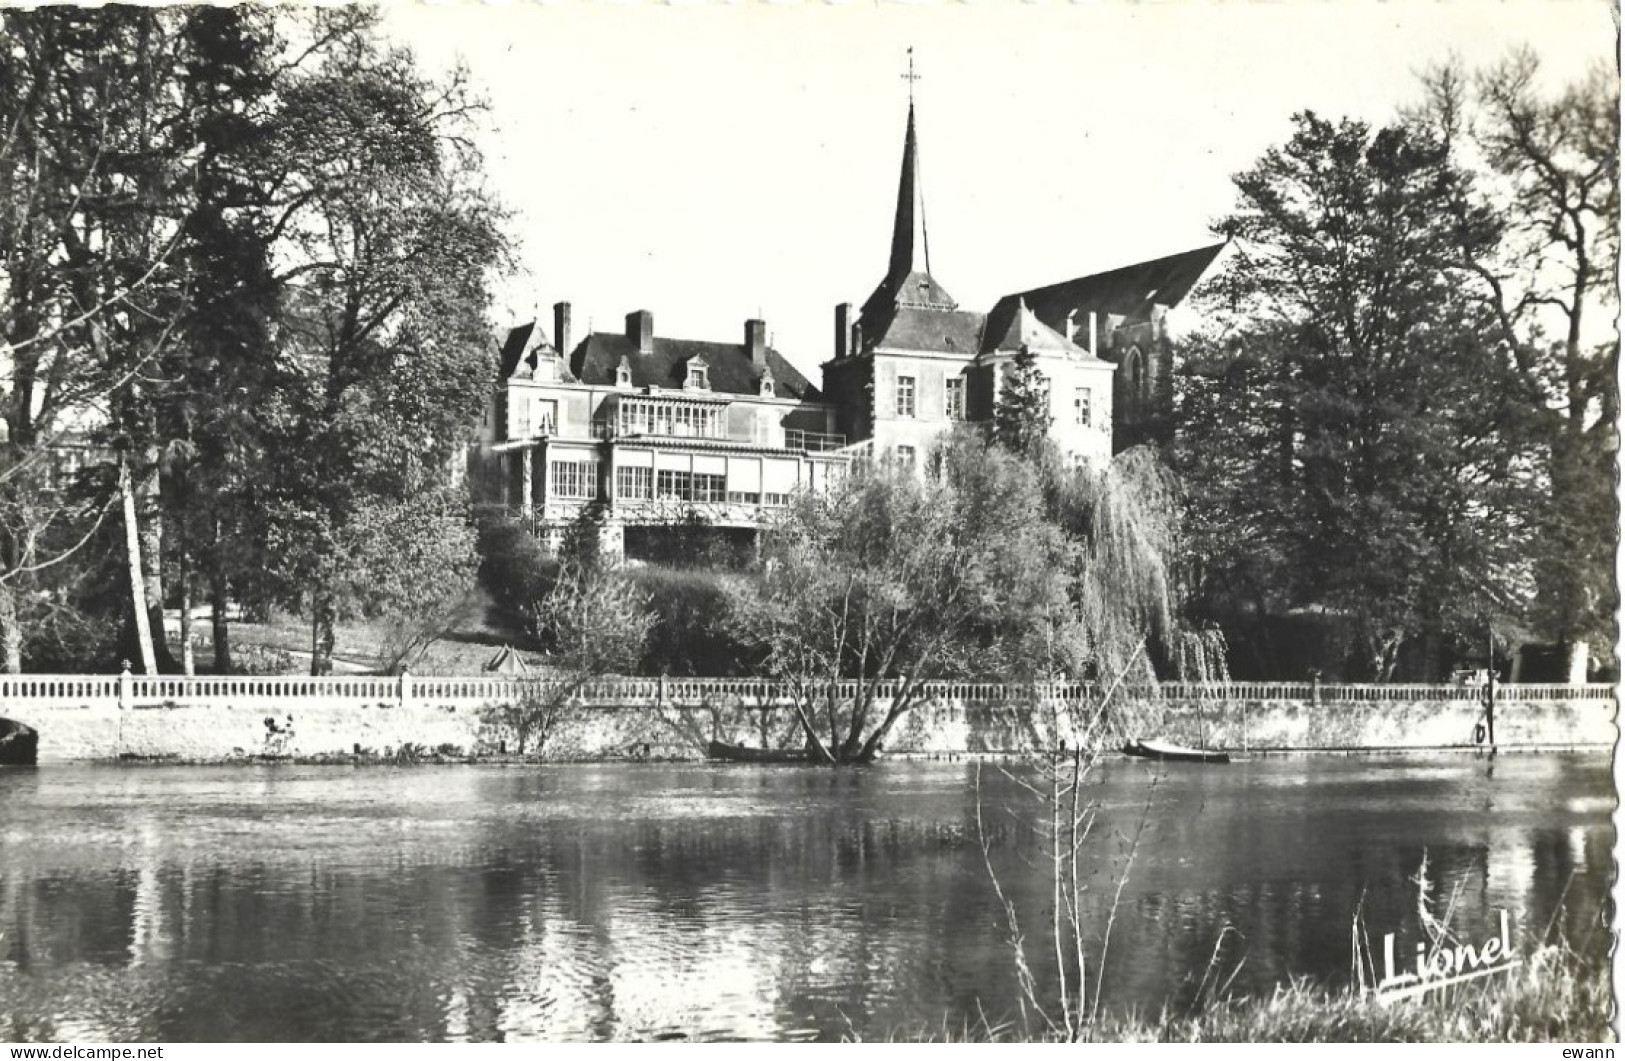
{"x":1012,"y":325}
{"x":947,"y":330}
{"x":729,"y":368}
{"x":523,"y":340}
{"x":1129,"y":291}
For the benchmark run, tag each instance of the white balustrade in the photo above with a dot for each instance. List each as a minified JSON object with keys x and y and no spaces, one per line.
{"x":206,"y":690}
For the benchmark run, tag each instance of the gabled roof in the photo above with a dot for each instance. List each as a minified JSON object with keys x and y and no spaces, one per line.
{"x":728,"y":365}
{"x":1012,"y":325}
{"x":1129,"y":291}
{"x":524,"y":343}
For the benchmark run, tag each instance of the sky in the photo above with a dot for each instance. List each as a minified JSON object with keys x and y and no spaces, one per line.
{"x":712,"y":162}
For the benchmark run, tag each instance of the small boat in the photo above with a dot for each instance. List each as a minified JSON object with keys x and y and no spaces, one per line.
{"x":1173,"y":753}
{"x":738,"y":753}
{"x":19,"y":744}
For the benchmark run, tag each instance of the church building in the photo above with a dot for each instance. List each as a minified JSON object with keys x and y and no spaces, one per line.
{"x":663,"y":431}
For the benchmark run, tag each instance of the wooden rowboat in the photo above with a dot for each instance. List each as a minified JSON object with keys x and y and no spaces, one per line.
{"x":738,"y":753}
{"x":1173,"y":753}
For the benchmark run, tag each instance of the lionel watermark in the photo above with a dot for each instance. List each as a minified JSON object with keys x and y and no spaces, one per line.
{"x":1443,"y":963}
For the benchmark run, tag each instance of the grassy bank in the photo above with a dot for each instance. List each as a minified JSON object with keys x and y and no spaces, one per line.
{"x":281,"y":645}
{"x":1555,"y":996}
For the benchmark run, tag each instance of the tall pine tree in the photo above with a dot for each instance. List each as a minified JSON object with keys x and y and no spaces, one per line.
{"x":1021,"y":416}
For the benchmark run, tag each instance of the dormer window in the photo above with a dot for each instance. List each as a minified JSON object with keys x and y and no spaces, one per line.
{"x":698,"y":376}
{"x":767,"y":384}
{"x":623,"y":374}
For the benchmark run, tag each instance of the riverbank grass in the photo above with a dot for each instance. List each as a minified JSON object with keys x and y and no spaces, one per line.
{"x":1555,"y":996}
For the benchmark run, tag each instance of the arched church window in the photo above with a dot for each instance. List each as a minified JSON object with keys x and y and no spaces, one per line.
{"x":1133,"y":381}
{"x":1134,"y":365}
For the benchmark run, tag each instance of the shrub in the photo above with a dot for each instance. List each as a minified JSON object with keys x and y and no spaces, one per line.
{"x":694,"y":630}
{"x":514,"y":568}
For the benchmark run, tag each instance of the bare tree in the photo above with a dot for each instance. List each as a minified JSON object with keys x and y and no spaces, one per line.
{"x":596,"y":623}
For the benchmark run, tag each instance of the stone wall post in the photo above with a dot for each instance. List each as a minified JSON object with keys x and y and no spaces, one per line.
{"x":406,"y":686}
{"x":126,"y":686}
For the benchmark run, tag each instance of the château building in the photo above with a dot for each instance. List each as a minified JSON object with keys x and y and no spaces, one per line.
{"x":664,"y":430}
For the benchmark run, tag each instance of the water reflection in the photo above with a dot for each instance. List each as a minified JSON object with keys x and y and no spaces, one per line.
{"x":634,"y":902}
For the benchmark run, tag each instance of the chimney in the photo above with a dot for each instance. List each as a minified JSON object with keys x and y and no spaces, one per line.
{"x":756,"y":342}
{"x":844,"y":321}
{"x":561,"y":327}
{"x":640,"y":329}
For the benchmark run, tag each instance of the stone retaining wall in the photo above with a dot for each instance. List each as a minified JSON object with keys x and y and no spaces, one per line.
{"x":100,"y":730}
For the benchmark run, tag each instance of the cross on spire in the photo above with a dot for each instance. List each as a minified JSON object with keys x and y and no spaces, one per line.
{"x":911,"y":76}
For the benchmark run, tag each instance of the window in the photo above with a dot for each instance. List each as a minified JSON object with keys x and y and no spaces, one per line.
{"x":575,"y":479}
{"x":775,"y":499}
{"x":688,"y":486}
{"x":635,"y":483}
{"x":767,"y":385}
{"x":710,"y":487}
{"x":697,"y":376}
{"x":905,"y":396}
{"x":739,"y":497}
{"x":638,"y":417}
{"x":905,"y":456}
{"x":956,"y":399}
{"x":535,"y":416}
{"x":1081,"y":412}
{"x":673,"y":486}
{"x":623,"y":375}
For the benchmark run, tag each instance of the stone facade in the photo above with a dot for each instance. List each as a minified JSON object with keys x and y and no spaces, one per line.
{"x":658,"y":428}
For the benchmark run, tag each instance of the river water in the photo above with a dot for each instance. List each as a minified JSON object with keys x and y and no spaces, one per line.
{"x":642,"y":901}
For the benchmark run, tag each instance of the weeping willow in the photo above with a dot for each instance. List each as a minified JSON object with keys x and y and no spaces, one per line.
{"x":1128,"y":587}
{"x":1125,"y":627}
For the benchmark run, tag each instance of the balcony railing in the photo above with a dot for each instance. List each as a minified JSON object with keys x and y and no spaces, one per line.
{"x":812,"y":441}
{"x":544,"y":427}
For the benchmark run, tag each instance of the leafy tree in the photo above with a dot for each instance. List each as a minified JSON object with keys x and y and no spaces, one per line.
{"x":1351,"y":438}
{"x":380,"y":364}
{"x":583,"y":540}
{"x":411,"y":565}
{"x":888,"y":578}
{"x":208,"y":414}
{"x":86,"y":256}
{"x":1549,"y":165}
{"x":1022,"y":417}
{"x":514,"y":568}
{"x":247,"y":250}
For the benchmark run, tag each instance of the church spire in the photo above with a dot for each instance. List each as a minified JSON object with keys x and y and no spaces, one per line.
{"x":908,"y":282}
{"x":909,"y":226}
